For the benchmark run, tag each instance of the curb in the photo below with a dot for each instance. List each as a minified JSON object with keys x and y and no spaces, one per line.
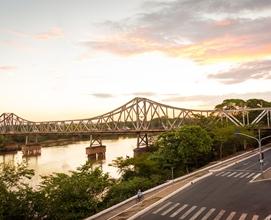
{"x":175,"y":180}
{"x":216,"y":170}
{"x":190,"y":183}
{"x":168,"y":196}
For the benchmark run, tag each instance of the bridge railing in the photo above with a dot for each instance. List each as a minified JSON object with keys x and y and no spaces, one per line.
{"x":139,"y":114}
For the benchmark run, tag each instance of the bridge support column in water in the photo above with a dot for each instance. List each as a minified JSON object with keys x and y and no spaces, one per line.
{"x":31,"y":149}
{"x":143,"y":142}
{"x":96,"y":149}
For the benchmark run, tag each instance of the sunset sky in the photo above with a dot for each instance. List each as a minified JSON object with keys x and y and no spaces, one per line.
{"x":67,"y":59}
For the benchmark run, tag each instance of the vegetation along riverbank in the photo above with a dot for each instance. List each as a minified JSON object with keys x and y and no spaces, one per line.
{"x":88,"y":190}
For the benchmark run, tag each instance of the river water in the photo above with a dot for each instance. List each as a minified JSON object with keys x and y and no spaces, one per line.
{"x":69,"y":157}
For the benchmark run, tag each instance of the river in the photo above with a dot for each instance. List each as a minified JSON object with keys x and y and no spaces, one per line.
{"x":69,"y":157}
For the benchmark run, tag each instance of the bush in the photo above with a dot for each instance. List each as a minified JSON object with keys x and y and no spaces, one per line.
{"x":127,"y":189}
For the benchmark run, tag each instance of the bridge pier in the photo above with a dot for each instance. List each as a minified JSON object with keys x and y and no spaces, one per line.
{"x":143,"y":142}
{"x":31,"y":149}
{"x":96,"y":149}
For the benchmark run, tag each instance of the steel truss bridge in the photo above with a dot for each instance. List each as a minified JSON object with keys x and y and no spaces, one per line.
{"x":139,"y":116}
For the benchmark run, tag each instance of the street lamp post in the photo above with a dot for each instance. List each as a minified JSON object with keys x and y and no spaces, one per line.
{"x":259,"y":140}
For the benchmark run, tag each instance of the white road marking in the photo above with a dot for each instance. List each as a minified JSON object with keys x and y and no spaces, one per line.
{"x":208,"y":214}
{"x":220,"y":214}
{"x":188,"y":212}
{"x":231,"y":174}
{"x":230,"y":217}
{"x":255,"y":217}
{"x":238,"y":174}
{"x":197,"y":213}
{"x":226,"y":173}
{"x":254,"y":177}
{"x":243,"y":175}
{"x":250,"y":175}
{"x":219,"y":173}
{"x":171,"y":208}
{"x":243,"y":216}
{"x":178,"y":211}
{"x":161,"y":208}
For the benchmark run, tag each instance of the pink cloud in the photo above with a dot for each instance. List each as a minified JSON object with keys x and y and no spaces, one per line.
{"x":52,"y":33}
{"x":224,"y":22}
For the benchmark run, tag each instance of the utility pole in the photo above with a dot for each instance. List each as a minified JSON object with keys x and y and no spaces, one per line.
{"x":259,"y":140}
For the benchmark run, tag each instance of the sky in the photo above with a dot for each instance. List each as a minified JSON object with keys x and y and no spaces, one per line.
{"x":72,"y":59}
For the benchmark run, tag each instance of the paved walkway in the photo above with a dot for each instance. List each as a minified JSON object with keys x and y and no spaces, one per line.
{"x":132,"y":207}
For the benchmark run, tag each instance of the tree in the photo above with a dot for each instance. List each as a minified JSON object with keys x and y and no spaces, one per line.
{"x":257,"y":103}
{"x":60,"y":196}
{"x":222,"y":135}
{"x":16,"y":196}
{"x":76,"y":195}
{"x":231,"y":104}
{"x":185,"y":146}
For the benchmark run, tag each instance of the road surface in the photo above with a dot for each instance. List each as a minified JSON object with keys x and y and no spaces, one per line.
{"x":225,"y":195}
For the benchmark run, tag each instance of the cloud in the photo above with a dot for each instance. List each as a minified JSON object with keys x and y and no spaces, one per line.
{"x":202,"y":30}
{"x":102,"y":95}
{"x":55,"y":32}
{"x":209,"y":101}
{"x":7,"y":68}
{"x":250,"y":70}
{"x":144,"y":94}
{"x":52,"y":33}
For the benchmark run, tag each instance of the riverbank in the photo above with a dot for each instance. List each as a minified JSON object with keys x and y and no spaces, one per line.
{"x":47,"y":143}
{"x":9,"y":148}
{"x":15,"y":143}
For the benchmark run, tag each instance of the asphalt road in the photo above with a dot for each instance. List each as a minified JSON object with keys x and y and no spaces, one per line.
{"x":226,"y":195}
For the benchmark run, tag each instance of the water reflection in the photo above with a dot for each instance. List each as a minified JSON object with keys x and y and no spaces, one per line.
{"x":71,"y":156}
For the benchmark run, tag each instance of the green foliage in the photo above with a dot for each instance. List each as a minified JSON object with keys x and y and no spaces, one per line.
{"x":226,"y":140}
{"x":16,"y":197}
{"x":60,"y":196}
{"x":257,"y":103}
{"x":231,"y":104}
{"x":128,"y":188}
{"x":77,"y":195}
{"x":228,"y":104}
{"x":184,"y":147}
{"x":86,"y":191}
{"x":140,"y":166}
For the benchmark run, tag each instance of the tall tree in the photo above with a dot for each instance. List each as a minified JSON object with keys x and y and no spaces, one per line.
{"x":185,"y":146}
{"x":257,"y":103}
{"x":231,"y":104}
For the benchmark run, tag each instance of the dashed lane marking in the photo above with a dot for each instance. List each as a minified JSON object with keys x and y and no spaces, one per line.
{"x":238,"y":174}
{"x":208,"y":214}
{"x":231,"y":174}
{"x":178,"y":211}
{"x":161,"y":208}
{"x":188,"y":212}
{"x":197,"y":213}
{"x":255,"y":217}
{"x":220,"y":214}
{"x":243,"y":216}
{"x":231,"y":215}
{"x":250,"y":175}
{"x":170,"y":209}
{"x":193,"y":212}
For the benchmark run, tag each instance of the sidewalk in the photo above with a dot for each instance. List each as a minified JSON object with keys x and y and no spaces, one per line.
{"x":130,"y":207}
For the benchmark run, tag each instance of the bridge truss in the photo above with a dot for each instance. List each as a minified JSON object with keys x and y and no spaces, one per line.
{"x":140,"y":115}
